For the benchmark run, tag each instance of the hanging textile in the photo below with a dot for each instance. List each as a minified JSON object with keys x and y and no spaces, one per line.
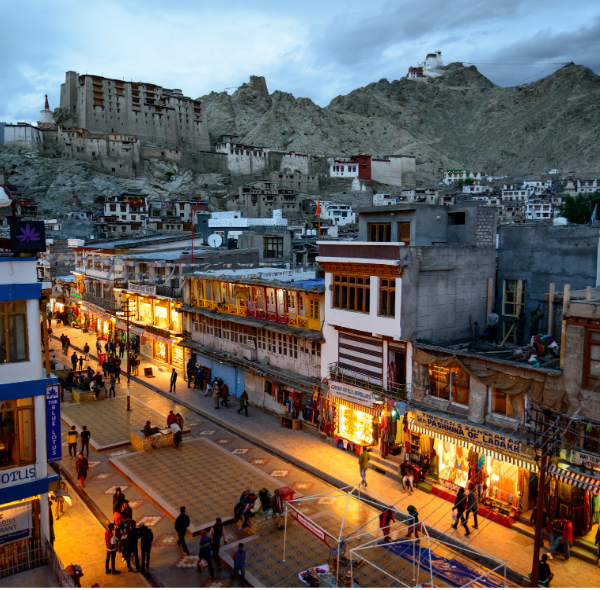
{"x":400,"y":431}
{"x":392,"y":428}
{"x":392,"y":372}
{"x":587,"y":523}
{"x":595,"y":508}
{"x":425,"y":446}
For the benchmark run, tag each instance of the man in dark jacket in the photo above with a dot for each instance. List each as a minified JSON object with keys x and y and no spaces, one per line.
{"x":181,"y":524}
{"x":173,"y":381}
{"x":473,"y":504}
{"x":406,"y":471}
{"x":460,"y":505}
{"x":132,"y":548}
{"x":146,"y":538}
{"x":118,"y":499}
{"x":205,"y":552}
{"x":111,"y":549}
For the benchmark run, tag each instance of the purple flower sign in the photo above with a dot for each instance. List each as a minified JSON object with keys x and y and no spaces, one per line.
{"x":27,"y":236}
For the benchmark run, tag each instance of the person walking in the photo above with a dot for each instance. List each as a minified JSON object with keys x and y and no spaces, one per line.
{"x":492,"y":322}
{"x":146,"y":538}
{"x":121,"y":348}
{"x":217,"y":534}
{"x":225,"y":395}
{"x":414,"y":527}
{"x":239,"y":563}
{"x":67,"y":345}
{"x":215,"y":394}
{"x":82,"y":467}
{"x":460,"y":505}
{"x":385,"y":519}
{"x":173,"y":381}
{"x":472,"y":504}
{"x":72,"y":440}
{"x":205,"y":552}
{"x":81,"y":359}
{"x":98,"y":347}
{"x":113,"y":382}
{"x":86,"y":351}
{"x":363,"y":462}
{"x":132,"y":548}
{"x":208,"y":389}
{"x":182,"y":522}
{"x":407,"y":473}
{"x":74,"y":360}
{"x":111,"y":549}
{"x":190,"y":372}
{"x":85,"y":441}
{"x":244,"y":403}
{"x":545,"y":575}
{"x":107,"y":348}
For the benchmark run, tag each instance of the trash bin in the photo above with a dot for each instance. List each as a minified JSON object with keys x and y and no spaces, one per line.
{"x":101,"y":357}
{"x":286,"y":493}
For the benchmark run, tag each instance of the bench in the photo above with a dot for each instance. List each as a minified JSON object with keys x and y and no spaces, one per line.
{"x":85,"y":396}
{"x":140,"y":443}
{"x":269,"y":521}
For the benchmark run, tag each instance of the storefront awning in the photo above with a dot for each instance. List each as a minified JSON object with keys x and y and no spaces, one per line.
{"x":98,"y":314}
{"x":132,"y":328}
{"x":356,"y":407}
{"x":482,"y":450}
{"x":586,"y":482}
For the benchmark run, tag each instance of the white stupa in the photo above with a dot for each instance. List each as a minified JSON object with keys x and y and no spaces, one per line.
{"x":46,"y":118}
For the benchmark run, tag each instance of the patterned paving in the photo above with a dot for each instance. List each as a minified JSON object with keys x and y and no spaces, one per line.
{"x":204,"y":478}
{"x":111,"y":427}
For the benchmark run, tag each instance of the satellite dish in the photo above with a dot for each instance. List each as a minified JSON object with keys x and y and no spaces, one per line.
{"x":215,"y":240}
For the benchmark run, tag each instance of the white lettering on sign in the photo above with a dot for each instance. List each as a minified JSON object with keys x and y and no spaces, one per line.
{"x":141,"y":289}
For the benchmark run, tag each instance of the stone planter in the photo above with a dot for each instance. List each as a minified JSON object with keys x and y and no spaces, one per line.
{"x":84,"y":396}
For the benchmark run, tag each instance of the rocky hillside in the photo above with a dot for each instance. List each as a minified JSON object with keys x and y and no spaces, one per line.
{"x":53,"y":182}
{"x":460,"y":119}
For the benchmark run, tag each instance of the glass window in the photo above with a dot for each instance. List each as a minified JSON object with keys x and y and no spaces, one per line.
{"x":273,"y":248}
{"x":17,"y":433}
{"x":591,"y":362}
{"x":161,"y":314}
{"x":146,"y":314}
{"x":510,"y":406}
{"x":450,"y":383}
{"x":439,"y":381}
{"x":13,"y":332}
{"x":352,"y":293}
{"x":380,"y":232}
{"x":387,"y":297}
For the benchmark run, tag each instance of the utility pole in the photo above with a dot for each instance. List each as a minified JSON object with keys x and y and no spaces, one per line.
{"x":128,"y":358}
{"x":539,"y":517}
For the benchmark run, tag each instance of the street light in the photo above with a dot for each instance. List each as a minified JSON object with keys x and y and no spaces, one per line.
{"x":128,"y":358}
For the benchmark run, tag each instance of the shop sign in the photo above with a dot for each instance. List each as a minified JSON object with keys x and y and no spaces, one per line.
{"x":141,"y":289}
{"x":358,"y":395}
{"x":53,"y":442}
{"x":310,"y":526}
{"x":15,"y":523}
{"x":76,"y":295}
{"x":473,"y":434}
{"x":587,"y":460}
{"x":16,"y":476}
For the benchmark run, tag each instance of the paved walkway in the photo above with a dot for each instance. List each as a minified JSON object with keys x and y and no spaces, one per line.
{"x":338,"y":467}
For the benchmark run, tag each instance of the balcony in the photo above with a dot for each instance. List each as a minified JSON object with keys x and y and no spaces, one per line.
{"x":108,"y":304}
{"x":171,"y":292}
{"x":342,"y":375}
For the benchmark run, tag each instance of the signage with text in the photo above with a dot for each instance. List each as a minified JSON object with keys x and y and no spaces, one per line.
{"x":358,"y":395}
{"x":141,"y":289}
{"x":53,"y":443}
{"x":587,"y":460}
{"x":15,"y":523}
{"x":17,"y":475}
{"x":27,"y":236}
{"x":473,"y":434}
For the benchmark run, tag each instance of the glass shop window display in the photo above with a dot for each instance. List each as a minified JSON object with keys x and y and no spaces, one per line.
{"x":161,"y":314}
{"x":146,"y":314}
{"x":450,"y":383}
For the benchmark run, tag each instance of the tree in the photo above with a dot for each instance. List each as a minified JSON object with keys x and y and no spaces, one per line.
{"x":469,"y":181}
{"x":460,"y":182}
{"x":579,"y":209}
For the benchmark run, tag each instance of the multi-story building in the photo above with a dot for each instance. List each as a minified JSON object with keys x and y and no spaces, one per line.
{"x":587,"y":186}
{"x":124,"y":214}
{"x":451,"y":176}
{"x":173,"y":216}
{"x":516,"y":192}
{"x":395,"y":170}
{"x":476,"y":189}
{"x":260,"y":199}
{"x":538,"y":209}
{"x":260,"y":330}
{"x":30,"y":437}
{"x":337,"y":214}
{"x":431,"y":67}
{"x":155,"y":115}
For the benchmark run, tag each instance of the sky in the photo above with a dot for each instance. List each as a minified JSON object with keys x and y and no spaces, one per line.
{"x":313,"y":48}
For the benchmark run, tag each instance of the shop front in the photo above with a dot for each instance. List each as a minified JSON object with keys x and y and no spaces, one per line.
{"x":163,"y":349}
{"x":96,"y":321}
{"x":135,"y":333}
{"x":451,"y":454}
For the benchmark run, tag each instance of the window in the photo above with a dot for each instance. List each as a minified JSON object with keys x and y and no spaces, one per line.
{"x":456,"y":218}
{"x":13,"y":332}
{"x":380,"y":232}
{"x":591,"y":362}
{"x":449,"y":383}
{"x":387,"y":297}
{"x":506,"y":405}
{"x":273,"y":248}
{"x":316,"y":349}
{"x":510,"y":331}
{"x":18,"y":432}
{"x":314,"y":309}
{"x":511,"y":289}
{"x":352,"y":293}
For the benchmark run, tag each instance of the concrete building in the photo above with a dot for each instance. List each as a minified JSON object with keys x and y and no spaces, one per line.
{"x":124,"y":214}
{"x":337,"y":214}
{"x":432,"y":67}
{"x":260,"y":331}
{"x":394,"y":170}
{"x":516,"y":192}
{"x":538,"y":209}
{"x":260,"y":199}
{"x":298,"y":182}
{"x":22,"y":135}
{"x":173,"y":216}
{"x":588,"y":186}
{"x":31,"y":425}
{"x":451,"y":176}
{"x":416,"y":271}
{"x":156,"y":115}
{"x":530,"y":257}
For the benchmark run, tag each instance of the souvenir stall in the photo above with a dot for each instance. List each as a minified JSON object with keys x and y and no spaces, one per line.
{"x":296,"y":405}
{"x":356,"y":425}
{"x":449,"y":463}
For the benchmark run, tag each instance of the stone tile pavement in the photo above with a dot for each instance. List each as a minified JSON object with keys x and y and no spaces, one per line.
{"x":309,"y":454}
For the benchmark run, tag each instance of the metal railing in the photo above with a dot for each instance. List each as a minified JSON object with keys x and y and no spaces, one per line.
{"x":107,"y":304}
{"x":168,"y":291}
{"x":28,"y":554}
{"x":358,"y":379}
{"x":54,"y":561}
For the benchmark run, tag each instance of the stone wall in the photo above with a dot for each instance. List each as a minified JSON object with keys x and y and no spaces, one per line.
{"x":487,"y":221}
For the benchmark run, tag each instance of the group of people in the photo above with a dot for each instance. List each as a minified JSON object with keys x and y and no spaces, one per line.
{"x":174,"y":424}
{"x":248,"y":506}
{"x":66,"y":344}
{"x":123,"y":536}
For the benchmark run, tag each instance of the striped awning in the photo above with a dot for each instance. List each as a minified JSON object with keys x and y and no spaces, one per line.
{"x":482,"y":450}
{"x":586,"y":482}
{"x":356,"y":407}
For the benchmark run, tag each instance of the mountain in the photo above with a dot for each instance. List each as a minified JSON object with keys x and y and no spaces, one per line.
{"x":458,"y":120}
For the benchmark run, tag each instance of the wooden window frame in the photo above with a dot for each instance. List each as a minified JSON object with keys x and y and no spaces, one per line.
{"x":389,"y":289}
{"x":351,"y":282}
{"x":5,"y":306}
{"x":515,"y":295}
{"x":382,"y":232}
{"x":402,"y":225}
{"x":588,"y":380}
{"x":16,"y":409}
{"x":314,"y":313}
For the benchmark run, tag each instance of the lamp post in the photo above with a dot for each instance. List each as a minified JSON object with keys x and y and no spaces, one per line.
{"x":128,"y":358}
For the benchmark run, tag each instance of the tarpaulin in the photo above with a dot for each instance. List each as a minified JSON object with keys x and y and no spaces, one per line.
{"x":509,"y":384}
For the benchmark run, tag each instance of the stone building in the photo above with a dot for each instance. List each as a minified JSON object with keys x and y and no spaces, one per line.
{"x":260,"y":199}
{"x":156,"y":115}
